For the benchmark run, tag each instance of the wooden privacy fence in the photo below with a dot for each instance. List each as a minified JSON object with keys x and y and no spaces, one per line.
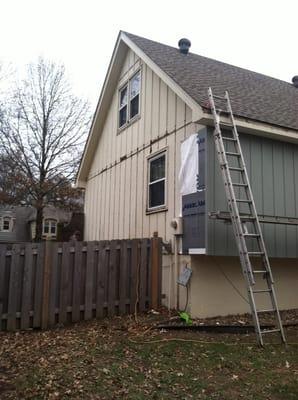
{"x":48,"y":283}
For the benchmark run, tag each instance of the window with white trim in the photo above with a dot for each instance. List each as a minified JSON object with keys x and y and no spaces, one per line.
{"x":6,"y":224}
{"x":49,"y":227}
{"x":157,"y":181}
{"x":129,"y":100}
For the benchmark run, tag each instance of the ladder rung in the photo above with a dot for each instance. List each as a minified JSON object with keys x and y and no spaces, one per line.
{"x":236,"y":169}
{"x":270,"y":331}
{"x":228,"y":153}
{"x":240,"y":184}
{"x":262,"y":291}
{"x":264,"y":311}
{"x":226,"y":124}
{"x":256,"y":235}
{"x":219,"y":97}
{"x":228,"y":138}
{"x":255,"y":253}
{"x":243,"y":201}
{"x":248,"y":217}
{"x":260,"y":272}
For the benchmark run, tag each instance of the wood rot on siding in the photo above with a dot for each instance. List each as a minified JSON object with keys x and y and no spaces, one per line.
{"x":45,"y":284}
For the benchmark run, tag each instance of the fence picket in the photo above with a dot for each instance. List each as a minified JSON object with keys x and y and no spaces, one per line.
{"x":134,"y":274}
{"x":123,"y":277}
{"x":89,"y":280}
{"x":100,"y":280}
{"x":13,"y":285}
{"x":44,"y":287}
{"x":143,"y":276}
{"x":27,"y":287}
{"x":53,"y":285}
{"x":76,"y":293}
{"x":38,"y":286}
{"x":112,"y":275}
{"x":64,"y":283}
{"x":2,"y":283}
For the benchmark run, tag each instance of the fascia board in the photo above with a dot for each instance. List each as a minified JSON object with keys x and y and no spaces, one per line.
{"x":256,"y":128}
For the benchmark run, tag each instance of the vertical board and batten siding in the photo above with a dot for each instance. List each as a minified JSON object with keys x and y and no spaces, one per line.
{"x":272,"y":168}
{"x":116,"y":192}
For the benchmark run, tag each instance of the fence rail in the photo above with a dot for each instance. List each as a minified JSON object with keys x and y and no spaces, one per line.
{"x":50,"y":283}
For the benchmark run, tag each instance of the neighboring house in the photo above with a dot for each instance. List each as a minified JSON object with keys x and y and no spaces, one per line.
{"x":17,"y":223}
{"x":154,"y":98}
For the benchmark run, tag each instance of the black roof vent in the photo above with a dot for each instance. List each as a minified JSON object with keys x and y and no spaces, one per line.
{"x":295,"y":81}
{"x":184,"y":45}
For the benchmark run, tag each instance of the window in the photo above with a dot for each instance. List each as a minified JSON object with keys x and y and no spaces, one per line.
{"x":49,"y":227}
{"x":134,"y":94}
{"x":129,"y":100}
{"x":157,"y":182}
{"x":6,"y":225}
{"x":123,"y":107}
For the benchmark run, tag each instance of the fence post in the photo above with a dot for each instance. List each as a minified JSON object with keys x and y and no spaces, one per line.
{"x":155,"y":270}
{"x":47,"y":265}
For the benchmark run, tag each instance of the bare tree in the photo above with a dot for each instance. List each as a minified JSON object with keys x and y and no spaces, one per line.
{"x":43,"y":132}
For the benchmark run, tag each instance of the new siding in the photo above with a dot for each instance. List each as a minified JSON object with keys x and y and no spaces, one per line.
{"x":272,"y":168}
{"x":116,"y":191}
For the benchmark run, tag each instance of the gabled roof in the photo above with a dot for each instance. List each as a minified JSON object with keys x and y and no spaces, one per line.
{"x":253,"y":95}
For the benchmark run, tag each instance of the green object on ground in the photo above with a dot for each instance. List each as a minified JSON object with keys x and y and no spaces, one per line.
{"x":185,"y":317}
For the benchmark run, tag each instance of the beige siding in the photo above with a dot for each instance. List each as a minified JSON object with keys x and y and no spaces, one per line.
{"x":218,"y":286}
{"x":116,"y":192}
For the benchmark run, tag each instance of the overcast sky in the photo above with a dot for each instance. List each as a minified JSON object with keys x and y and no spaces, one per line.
{"x":259,"y":35}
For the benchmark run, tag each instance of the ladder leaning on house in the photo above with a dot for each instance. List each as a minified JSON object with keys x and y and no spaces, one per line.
{"x":246,"y":225}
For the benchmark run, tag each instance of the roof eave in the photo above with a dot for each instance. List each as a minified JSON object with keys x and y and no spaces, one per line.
{"x":256,"y":128}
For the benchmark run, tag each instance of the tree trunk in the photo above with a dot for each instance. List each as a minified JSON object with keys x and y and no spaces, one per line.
{"x":39,"y":220}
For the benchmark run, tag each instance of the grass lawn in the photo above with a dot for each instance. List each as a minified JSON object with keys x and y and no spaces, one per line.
{"x":119,"y":359}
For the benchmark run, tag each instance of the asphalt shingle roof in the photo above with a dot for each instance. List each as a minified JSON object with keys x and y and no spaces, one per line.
{"x":253,"y":95}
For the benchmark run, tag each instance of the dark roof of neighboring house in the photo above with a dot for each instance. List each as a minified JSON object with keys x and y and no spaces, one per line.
{"x":253,"y":95}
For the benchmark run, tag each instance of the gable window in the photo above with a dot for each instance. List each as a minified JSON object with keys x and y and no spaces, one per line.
{"x":49,"y":227}
{"x":123,"y":106}
{"x":129,"y":100}
{"x":134,"y":94}
{"x":157,"y":181}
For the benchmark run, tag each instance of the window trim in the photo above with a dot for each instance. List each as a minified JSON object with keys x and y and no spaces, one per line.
{"x":10,"y":223}
{"x":150,"y":158}
{"x":126,"y":105}
{"x":127,"y":84}
{"x":52,"y":222}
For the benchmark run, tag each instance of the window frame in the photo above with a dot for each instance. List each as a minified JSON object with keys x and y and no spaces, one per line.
{"x":152,"y":157}
{"x":52,"y":222}
{"x":9,"y":220}
{"x":127,"y":84}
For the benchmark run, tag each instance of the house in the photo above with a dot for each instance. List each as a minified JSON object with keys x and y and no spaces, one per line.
{"x":18,"y":223}
{"x":153,"y":106}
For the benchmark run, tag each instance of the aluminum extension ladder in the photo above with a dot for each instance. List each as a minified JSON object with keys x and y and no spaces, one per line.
{"x":246,"y":225}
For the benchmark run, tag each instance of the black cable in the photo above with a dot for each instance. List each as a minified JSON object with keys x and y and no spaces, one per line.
{"x":186,"y":303}
{"x":231,"y":283}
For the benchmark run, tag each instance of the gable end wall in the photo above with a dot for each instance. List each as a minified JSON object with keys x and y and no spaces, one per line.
{"x":116,"y":191}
